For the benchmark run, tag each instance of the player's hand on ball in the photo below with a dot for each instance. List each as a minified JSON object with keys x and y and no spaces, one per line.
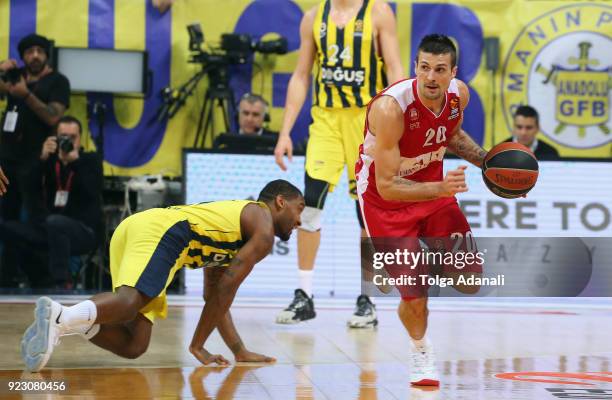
{"x":249,"y":356}
{"x":283,"y":146}
{"x":454,"y":182}
{"x":206,"y":358}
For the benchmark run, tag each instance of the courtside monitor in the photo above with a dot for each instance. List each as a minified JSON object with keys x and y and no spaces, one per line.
{"x":103,"y":70}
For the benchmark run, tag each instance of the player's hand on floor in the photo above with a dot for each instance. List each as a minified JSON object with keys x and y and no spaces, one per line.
{"x":283,"y":146}
{"x":207,"y":358}
{"x":454,"y":182}
{"x":249,"y":356}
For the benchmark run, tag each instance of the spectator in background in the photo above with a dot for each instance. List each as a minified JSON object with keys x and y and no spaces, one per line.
{"x":252,"y":136}
{"x":252,"y":113}
{"x":524,"y":131}
{"x":37,"y":99}
{"x":66,"y":204}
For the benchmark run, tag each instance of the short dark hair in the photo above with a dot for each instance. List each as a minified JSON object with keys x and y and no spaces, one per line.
{"x":253,"y":98}
{"x":33,"y":40}
{"x":279,"y":187}
{"x":69,"y":119}
{"x":438,"y":44}
{"x":528,"y":112}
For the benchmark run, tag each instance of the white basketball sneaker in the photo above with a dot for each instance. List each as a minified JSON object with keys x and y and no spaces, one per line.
{"x":43,"y":335}
{"x":423,"y":371}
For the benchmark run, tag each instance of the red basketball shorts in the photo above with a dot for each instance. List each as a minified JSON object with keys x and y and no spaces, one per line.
{"x":440,"y":224}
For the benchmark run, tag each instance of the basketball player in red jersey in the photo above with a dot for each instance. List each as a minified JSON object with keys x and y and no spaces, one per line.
{"x":400,"y":183}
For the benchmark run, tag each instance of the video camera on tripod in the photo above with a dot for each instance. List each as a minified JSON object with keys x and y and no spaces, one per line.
{"x":234,"y":49}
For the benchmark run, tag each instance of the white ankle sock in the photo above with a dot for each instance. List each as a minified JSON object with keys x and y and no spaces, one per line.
{"x":420,"y":344}
{"x":80,"y":316}
{"x":90,"y":332}
{"x":306,"y":280}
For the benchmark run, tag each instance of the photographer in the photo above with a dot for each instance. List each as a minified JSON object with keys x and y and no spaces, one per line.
{"x":37,"y":99}
{"x":66,"y":204}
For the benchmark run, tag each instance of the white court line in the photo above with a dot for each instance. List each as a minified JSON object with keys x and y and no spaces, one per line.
{"x":458,"y":304}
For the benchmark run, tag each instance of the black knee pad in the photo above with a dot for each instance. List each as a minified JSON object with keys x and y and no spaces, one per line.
{"x":315,"y":192}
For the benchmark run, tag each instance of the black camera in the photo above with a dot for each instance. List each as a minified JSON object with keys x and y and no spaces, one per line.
{"x":65,"y":143}
{"x":215,"y":60}
{"x":244,"y":44}
{"x":235,"y":48}
{"x":11,"y":76}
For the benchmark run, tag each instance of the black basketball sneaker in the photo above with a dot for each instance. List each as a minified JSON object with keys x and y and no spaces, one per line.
{"x":300,"y":309}
{"x":365,"y":314}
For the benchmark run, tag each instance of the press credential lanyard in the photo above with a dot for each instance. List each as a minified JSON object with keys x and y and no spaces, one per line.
{"x":61,"y":195}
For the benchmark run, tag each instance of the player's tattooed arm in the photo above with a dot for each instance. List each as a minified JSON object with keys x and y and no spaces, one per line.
{"x":412,"y":184}
{"x":257,"y":229}
{"x":461,"y":143}
{"x":226,"y":327}
{"x":236,"y":347}
{"x":50,"y":113}
{"x":463,"y":146}
{"x":386,"y":122}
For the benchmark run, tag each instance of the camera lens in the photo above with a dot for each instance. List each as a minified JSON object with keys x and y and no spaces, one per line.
{"x":65,"y":144}
{"x":11,"y":76}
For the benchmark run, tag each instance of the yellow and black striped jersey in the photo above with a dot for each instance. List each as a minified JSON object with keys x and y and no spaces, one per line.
{"x":350,"y":72}
{"x":216,"y":233}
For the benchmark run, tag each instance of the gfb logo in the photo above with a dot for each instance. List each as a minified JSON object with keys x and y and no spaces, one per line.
{"x":342,"y":76}
{"x":561,"y":64}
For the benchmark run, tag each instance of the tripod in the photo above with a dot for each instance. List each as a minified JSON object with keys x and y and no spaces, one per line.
{"x":97,"y":110}
{"x":219,"y":92}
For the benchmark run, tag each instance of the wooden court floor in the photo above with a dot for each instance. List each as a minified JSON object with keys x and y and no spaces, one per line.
{"x":483,"y":353}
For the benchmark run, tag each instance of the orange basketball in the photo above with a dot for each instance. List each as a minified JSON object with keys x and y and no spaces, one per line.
{"x":510,"y":170}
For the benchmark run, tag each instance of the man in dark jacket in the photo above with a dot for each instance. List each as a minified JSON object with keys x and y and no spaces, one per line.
{"x":525,"y":128}
{"x":37,"y":97}
{"x":65,"y":210}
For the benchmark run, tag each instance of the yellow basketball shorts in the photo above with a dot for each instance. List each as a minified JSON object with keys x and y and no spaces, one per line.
{"x":146,"y":250}
{"x":335,"y":137}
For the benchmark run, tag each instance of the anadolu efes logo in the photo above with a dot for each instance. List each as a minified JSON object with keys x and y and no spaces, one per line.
{"x":561,"y":64}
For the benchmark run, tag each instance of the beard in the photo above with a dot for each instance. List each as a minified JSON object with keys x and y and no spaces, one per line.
{"x":35,"y":67}
{"x":284,"y":236}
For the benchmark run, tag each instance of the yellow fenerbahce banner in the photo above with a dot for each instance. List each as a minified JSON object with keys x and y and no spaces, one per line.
{"x":555,"y":56}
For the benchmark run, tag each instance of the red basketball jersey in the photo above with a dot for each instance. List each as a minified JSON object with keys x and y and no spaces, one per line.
{"x":422,"y":145}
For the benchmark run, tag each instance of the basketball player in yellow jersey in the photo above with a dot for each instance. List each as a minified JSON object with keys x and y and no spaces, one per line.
{"x":227,"y":238}
{"x":347,"y":40}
